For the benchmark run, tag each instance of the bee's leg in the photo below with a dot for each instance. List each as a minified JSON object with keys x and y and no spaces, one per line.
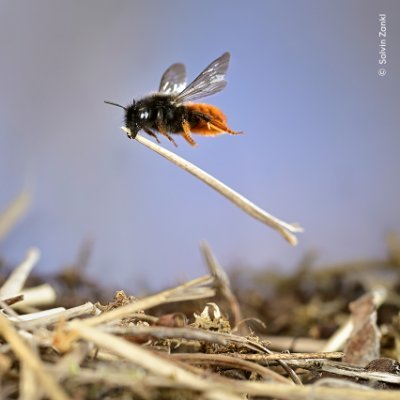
{"x":169,"y":138}
{"x":161,"y":126}
{"x":164,"y":132}
{"x":223,"y":127}
{"x":151,"y":133}
{"x":213,"y":123}
{"x":202,"y":116}
{"x":187,"y":134}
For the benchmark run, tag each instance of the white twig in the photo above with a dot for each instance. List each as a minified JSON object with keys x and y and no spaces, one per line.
{"x":339,"y":338}
{"x":284,"y":228}
{"x":53,"y":315}
{"x":41,"y":295}
{"x":38,"y":315}
{"x":31,"y":360}
{"x":14,"y":212}
{"x":195,"y":289}
{"x":16,"y":280}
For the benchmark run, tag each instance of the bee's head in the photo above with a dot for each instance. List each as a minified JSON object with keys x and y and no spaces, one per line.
{"x":131,"y":121}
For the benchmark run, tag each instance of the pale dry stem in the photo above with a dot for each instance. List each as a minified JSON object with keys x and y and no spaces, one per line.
{"x":195,"y":289}
{"x":284,"y":228}
{"x":31,"y":360}
{"x":13,"y":213}
{"x":16,"y":281}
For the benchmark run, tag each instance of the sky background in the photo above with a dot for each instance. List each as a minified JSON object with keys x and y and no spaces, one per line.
{"x":321,"y":143}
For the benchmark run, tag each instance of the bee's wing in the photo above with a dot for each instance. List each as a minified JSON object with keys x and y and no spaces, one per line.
{"x":173,"y":80}
{"x":210,"y":81}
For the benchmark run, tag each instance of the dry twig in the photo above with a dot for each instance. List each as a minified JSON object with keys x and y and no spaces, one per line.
{"x":30,"y":360}
{"x":16,"y":281}
{"x":13,"y":213}
{"x":198,"y":288}
{"x":222,"y":282}
{"x":284,"y":228}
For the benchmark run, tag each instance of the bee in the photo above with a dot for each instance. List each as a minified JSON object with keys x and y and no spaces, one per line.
{"x":171,"y":110}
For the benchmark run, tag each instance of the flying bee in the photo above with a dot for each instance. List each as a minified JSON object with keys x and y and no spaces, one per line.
{"x":171,"y":110}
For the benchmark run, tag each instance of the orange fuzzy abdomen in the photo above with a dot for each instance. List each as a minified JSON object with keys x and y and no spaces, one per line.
{"x":205,"y":127}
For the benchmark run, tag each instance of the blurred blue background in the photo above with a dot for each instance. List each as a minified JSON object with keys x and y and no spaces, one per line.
{"x":321,"y":143}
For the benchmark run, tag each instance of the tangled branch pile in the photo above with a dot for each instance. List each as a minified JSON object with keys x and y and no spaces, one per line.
{"x":135,"y":349}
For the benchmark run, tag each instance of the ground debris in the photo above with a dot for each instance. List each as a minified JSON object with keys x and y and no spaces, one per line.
{"x":286,"y":337}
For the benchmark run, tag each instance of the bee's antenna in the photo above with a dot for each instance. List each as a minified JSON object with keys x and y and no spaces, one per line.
{"x":114,"y":104}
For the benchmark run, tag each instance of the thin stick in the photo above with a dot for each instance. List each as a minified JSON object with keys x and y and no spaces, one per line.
{"x":291,"y":356}
{"x":342,"y":369}
{"x":39,"y":315}
{"x":223,"y":284}
{"x":41,"y":295}
{"x":339,"y":338}
{"x":284,"y":228}
{"x":188,"y":333}
{"x":359,"y":372}
{"x":31,"y":360}
{"x":199,"y":334}
{"x":51,"y":316}
{"x":139,"y":356}
{"x":13,"y":300}
{"x":28,"y":384}
{"x":221,"y":359}
{"x":14,"y":212}
{"x":281,"y":391}
{"x":187,"y":291}
{"x":16,"y":281}
{"x":295,"y":344}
